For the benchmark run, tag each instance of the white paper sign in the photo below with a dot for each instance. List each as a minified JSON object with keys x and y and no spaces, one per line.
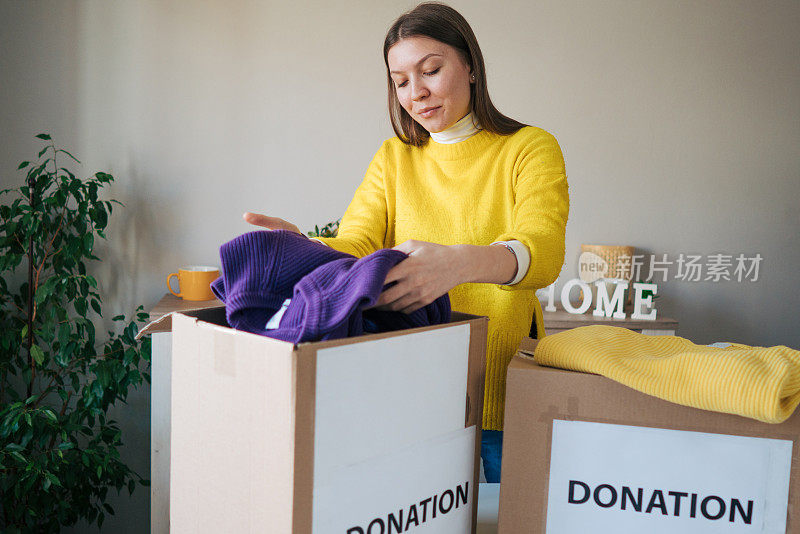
{"x":391,"y":453}
{"x":425,"y":488}
{"x":627,"y":479}
{"x":383,"y":395}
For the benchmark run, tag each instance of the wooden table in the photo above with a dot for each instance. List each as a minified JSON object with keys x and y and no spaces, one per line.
{"x":160,"y":399}
{"x":560,"y":320}
{"x":170,"y":303}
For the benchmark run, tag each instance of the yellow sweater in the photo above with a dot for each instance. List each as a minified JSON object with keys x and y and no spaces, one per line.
{"x":758,"y":382}
{"x":486,"y":188}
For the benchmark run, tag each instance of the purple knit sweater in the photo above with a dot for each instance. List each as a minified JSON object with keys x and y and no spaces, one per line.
{"x":328,"y":289}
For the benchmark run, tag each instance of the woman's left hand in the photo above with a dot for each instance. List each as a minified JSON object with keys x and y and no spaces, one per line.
{"x":430,"y":271}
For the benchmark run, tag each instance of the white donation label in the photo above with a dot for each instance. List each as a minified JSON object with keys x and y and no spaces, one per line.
{"x":629,"y":479}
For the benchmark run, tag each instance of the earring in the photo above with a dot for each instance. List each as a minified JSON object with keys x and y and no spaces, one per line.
{"x":472,"y":78}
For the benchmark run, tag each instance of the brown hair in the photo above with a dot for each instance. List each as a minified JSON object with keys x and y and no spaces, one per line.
{"x":443,"y":23}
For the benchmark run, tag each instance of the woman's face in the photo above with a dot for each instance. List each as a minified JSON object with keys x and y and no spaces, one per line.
{"x":430,"y":74}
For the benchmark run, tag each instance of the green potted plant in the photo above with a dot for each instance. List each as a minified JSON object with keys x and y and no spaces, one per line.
{"x":329,"y":230}
{"x":59,"y":449}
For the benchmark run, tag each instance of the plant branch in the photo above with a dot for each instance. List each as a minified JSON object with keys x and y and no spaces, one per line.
{"x":66,"y":403}
{"x":31,"y":181}
{"x":46,"y":391}
{"x":46,"y":254}
{"x":61,"y":414}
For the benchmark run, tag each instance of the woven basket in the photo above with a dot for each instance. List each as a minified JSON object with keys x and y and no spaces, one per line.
{"x":614,"y":256}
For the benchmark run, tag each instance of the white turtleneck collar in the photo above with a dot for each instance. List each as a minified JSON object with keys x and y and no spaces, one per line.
{"x":465,"y":128}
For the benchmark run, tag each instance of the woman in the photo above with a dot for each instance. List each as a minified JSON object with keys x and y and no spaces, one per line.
{"x":479,"y":201}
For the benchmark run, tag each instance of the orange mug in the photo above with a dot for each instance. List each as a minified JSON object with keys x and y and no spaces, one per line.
{"x":194,"y":282}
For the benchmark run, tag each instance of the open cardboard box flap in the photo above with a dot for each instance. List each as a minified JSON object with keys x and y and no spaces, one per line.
{"x":216,"y":315}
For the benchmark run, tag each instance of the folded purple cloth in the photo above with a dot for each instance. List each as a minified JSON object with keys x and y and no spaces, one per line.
{"x":260,"y":270}
{"x":328,"y":289}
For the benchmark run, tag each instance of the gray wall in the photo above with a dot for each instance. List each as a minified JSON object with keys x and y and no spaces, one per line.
{"x":679,"y":123}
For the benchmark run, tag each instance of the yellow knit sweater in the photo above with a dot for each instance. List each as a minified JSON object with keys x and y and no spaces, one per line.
{"x":758,"y":382}
{"x":486,"y":188}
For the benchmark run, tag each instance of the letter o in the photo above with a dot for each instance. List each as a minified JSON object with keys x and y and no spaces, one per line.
{"x":611,"y":489}
{"x":441,"y":500}
{"x":587,"y":296}
{"x":378,"y":521}
{"x":704,"y":507}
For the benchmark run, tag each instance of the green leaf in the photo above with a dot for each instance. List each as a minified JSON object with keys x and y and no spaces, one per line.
{"x":96,"y":307}
{"x":71,"y":346}
{"x":67,"y":171}
{"x":88,"y":242}
{"x":23,"y":165}
{"x":104,"y":177}
{"x":100,"y":217}
{"x":44,"y":291}
{"x":63,"y":334}
{"x":37,"y":353}
{"x":117,"y":318}
{"x":131,"y":330}
{"x":43,"y":136}
{"x":68,"y":154}
{"x":128,"y":356}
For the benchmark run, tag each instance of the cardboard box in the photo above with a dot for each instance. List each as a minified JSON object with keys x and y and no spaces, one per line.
{"x":364,"y":435}
{"x":582,"y":453}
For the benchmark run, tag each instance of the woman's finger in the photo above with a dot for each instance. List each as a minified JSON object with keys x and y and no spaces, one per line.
{"x":411,"y":309}
{"x":271,"y":223}
{"x":261,"y":220}
{"x":403,"y":301}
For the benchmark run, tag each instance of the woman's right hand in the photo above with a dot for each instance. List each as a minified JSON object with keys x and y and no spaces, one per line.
{"x":270,"y":223}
